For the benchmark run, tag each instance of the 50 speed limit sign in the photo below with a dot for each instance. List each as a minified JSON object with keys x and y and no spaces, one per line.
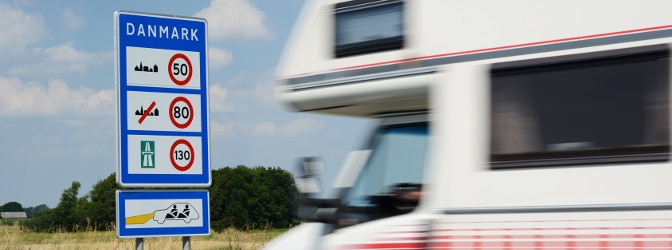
{"x":180,"y":69}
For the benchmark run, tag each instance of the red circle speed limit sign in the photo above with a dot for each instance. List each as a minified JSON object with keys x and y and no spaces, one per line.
{"x":179,"y":69}
{"x":181,"y":112}
{"x":182,"y":155}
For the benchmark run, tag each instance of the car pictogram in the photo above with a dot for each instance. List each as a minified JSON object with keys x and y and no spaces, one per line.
{"x":176,"y":211}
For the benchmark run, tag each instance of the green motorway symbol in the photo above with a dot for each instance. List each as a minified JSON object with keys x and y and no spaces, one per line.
{"x":147,"y":159}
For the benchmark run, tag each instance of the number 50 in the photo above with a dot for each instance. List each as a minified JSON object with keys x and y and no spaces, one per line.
{"x":180,"y":69}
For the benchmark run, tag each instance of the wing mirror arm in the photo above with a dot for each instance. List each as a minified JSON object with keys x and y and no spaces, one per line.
{"x":312,"y":208}
{"x":308,"y":183}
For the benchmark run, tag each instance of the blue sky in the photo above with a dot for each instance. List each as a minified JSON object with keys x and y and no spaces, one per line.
{"x":58,"y":101}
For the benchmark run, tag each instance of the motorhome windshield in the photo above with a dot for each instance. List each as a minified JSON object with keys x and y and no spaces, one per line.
{"x":398,"y":159}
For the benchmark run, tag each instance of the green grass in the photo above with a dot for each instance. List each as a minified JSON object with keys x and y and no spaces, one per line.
{"x":13,"y":237}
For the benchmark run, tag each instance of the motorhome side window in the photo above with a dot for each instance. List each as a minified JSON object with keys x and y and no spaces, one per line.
{"x":600,"y":108}
{"x":367,"y":26}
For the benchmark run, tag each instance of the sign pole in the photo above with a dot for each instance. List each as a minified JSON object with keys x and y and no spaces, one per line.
{"x":186,"y":243}
{"x":139,"y":243}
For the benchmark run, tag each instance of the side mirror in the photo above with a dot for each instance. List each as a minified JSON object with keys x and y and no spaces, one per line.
{"x":310,"y":207}
{"x":310,"y":168}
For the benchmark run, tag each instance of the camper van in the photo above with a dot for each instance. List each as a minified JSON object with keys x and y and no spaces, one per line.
{"x":516,"y":124}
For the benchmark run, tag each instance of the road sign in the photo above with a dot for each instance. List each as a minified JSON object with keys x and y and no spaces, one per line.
{"x":181,"y":69}
{"x":162,"y":213}
{"x":182,"y":111}
{"x":161,"y":65}
{"x":183,"y":154}
{"x":173,"y":156}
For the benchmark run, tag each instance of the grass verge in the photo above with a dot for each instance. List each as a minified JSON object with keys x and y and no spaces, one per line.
{"x":14,"y":238}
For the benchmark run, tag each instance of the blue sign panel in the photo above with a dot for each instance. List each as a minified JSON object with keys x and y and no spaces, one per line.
{"x":143,"y":214}
{"x":162,"y":86}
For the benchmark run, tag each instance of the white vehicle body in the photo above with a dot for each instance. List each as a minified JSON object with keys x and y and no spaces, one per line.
{"x":545,"y":124}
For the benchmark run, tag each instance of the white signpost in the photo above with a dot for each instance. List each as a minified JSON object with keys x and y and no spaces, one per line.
{"x":162,"y":121}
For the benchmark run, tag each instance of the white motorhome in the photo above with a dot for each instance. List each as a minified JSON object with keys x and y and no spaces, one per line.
{"x":518,"y":124}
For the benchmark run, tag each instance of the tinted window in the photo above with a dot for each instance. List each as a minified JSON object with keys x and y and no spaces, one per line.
{"x":585,"y":111}
{"x":368,"y":26}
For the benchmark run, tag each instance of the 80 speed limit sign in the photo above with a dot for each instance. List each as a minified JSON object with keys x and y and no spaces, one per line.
{"x":181,"y":112}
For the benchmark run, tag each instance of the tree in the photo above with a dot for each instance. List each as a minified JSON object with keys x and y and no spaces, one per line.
{"x":11,"y":207}
{"x":65,"y":213}
{"x":247,"y":198}
{"x":32,"y":211}
{"x":227,"y":194}
{"x":96,"y":210}
{"x":282,"y":198}
{"x":241,"y":197}
{"x":102,"y":208}
{"x":63,"y":217}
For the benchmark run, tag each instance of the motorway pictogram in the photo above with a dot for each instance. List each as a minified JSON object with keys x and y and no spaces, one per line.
{"x":147,"y":154}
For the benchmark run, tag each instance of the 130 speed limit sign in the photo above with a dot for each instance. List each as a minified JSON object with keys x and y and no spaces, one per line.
{"x":182,"y":155}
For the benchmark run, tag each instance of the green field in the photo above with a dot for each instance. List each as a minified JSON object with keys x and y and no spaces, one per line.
{"x":12,"y":237}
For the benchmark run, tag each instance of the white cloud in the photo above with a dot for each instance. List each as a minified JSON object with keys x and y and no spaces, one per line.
{"x":221,"y":130}
{"x":295,"y":127}
{"x":219,"y":101}
{"x":218,"y":58}
{"x":58,"y":60}
{"x":56,"y":98}
{"x":301,"y":125}
{"x":71,"y":20}
{"x":265,"y":90}
{"x":19,"y":29}
{"x":21,"y":32}
{"x":265,"y":128}
{"x":64,"y":53}
{"x":20,"y":37}
{"x":227,"y":100}
{"x":234,"y":19}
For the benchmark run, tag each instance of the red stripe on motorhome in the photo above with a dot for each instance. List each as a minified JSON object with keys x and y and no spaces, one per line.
{"x":508,"y":47}
{"x":396,"y":245}
{"x":556,"y":245}
{"x":550,"y":228}
{"x":572,"y":242}
{"x":538,"y":238}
